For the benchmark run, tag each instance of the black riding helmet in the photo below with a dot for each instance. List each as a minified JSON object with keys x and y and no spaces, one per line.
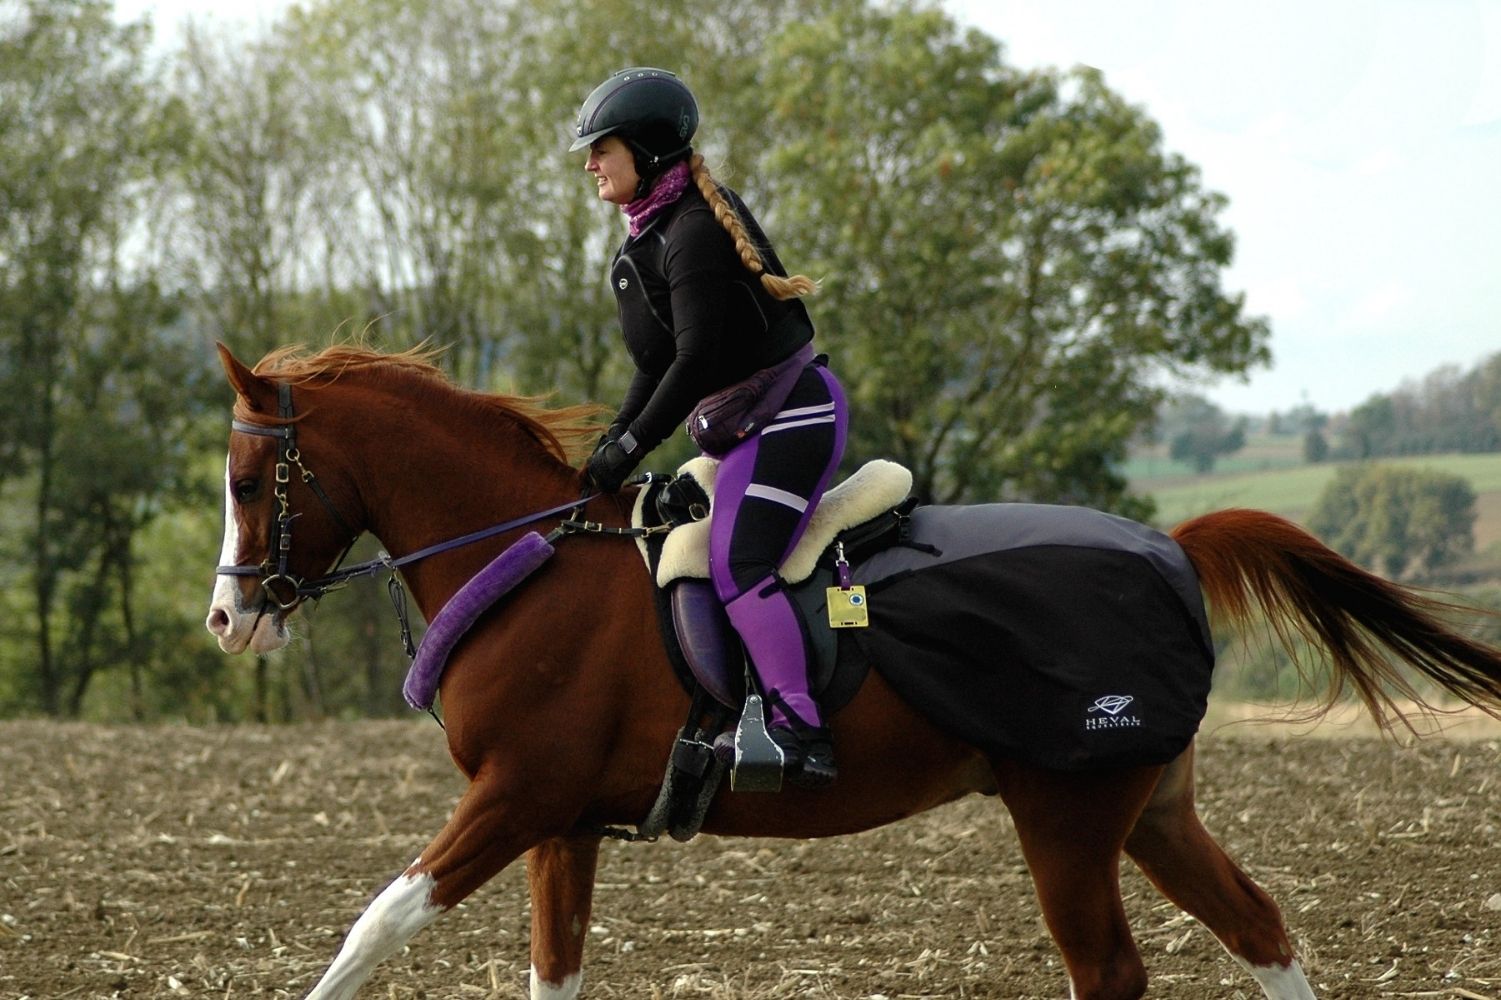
{"x":651,"y":109}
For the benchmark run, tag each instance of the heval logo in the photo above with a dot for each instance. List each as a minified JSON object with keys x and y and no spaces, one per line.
{"x":1110,"y":709}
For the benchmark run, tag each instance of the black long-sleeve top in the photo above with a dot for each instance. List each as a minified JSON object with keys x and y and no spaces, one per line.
{"x":694,"y":319}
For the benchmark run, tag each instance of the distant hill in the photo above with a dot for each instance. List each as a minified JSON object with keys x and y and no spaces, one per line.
{"x":1269,"y":474}
{"x":1262,"y":453}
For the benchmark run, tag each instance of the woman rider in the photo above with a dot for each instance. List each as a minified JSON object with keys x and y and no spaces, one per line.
{"x":705,"y":304}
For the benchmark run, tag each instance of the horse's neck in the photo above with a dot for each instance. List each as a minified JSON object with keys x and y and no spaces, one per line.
{"x":451,"y":471}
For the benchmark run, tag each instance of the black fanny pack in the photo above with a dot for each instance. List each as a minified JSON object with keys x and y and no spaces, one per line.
{"x":721,"y":421}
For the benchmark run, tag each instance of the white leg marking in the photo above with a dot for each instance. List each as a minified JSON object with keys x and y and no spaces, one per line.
{"x":568,"y":989}
{"x":1280,"y":982}
{"x":401,"y":910}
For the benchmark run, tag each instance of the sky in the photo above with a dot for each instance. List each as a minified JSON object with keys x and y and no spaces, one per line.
{"x":1358,"y":143}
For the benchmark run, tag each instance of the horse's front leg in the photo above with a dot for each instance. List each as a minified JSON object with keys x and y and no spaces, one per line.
{"x":402,"y":909}
{"x":561,"y":875}
{"x":491,"y":827}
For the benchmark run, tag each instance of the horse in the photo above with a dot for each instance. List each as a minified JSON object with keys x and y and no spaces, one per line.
{"x":561,"y":706}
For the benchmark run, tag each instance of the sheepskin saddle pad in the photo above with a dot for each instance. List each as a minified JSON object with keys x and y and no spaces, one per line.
{"x":877,"y":487}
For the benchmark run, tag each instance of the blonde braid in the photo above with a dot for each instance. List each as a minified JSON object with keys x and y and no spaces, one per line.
{"x":778,"y":286}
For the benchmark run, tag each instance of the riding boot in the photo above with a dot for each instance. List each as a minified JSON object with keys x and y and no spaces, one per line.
{"x":773,"y":635}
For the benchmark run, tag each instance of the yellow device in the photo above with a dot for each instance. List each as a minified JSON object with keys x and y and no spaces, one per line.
{"x":848,"y":608}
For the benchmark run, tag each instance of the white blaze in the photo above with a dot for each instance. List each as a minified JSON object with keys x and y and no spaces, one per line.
{"x":226,"y":591}
{"x":236,"y":626}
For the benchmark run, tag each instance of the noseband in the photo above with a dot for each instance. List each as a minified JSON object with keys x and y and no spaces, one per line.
{"x":275,"y":575}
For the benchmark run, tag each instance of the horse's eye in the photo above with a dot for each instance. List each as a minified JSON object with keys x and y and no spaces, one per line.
{"x":246,"y":489}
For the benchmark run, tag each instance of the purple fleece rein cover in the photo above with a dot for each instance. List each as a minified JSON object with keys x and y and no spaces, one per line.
{"x":451,"y":623}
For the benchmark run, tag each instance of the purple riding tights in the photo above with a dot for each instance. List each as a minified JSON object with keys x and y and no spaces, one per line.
{"x":764,"y":496}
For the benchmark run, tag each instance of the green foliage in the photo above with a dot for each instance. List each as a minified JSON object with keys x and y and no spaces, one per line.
{"x":1315,"y":447}
{"x":1372,"y":428}
{"x":72,"y":120}
{"x":1008,"y":257}
{"x":1446,"y":411}
{"x":1200,"y":432}
{"x":1254,"y":666}
{"x":1394,"y":519}
{"x":1013,"y":255}
{"x":98,"y":387}
{"x":1305,"y":418}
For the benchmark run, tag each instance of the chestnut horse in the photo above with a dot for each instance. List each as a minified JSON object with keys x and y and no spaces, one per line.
{"x":561,"y":706}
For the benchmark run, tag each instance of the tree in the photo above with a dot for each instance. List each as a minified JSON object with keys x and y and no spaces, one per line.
{"x":451,"y":211}
{"x":1304,"y":418}
{"x":1446,"y":410}
{"x":1200,"y":432}
{"x":1015,"y":257}
{"x":1396,"y":519}
{"x":1372,"y":428}
{"x":77,"y":127}
{"x":1309,"y":422}
{"x":1485,"y":390}
{"x":1315,"y":447}
{"x":245,"y":184}
{"x":126,"y":429}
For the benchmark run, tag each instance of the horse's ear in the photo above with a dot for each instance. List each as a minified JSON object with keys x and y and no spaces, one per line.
{"x":257,"y":392}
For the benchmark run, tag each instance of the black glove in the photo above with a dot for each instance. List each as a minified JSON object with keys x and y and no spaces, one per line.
{"x":612,"y":433}
{"x":612,"y":462}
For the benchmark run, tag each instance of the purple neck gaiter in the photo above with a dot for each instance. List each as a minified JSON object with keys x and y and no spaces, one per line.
{"x":668,"y":189}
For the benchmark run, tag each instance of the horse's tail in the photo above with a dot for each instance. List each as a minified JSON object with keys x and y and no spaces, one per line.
{"x":1249,"y":560}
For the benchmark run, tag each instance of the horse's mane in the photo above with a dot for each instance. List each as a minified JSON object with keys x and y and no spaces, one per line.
{"x":566,"y":432}
{"x":299,"y":364}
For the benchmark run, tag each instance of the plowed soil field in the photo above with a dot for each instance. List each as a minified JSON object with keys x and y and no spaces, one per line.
{"x":228,"y":862}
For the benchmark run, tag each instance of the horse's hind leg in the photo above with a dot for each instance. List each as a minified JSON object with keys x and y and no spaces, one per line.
{"x":561,"y":875}
{"x":1173,"y":849}
{"x":1072,"y":828}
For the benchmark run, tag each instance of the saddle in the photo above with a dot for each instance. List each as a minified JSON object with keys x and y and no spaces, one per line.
{"x":864,"y":514}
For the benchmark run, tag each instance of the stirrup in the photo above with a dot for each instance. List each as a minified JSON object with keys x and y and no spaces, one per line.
{"x":757,"y":761}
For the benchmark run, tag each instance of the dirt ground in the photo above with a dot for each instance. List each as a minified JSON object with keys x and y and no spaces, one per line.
{"x":229,"y":862}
